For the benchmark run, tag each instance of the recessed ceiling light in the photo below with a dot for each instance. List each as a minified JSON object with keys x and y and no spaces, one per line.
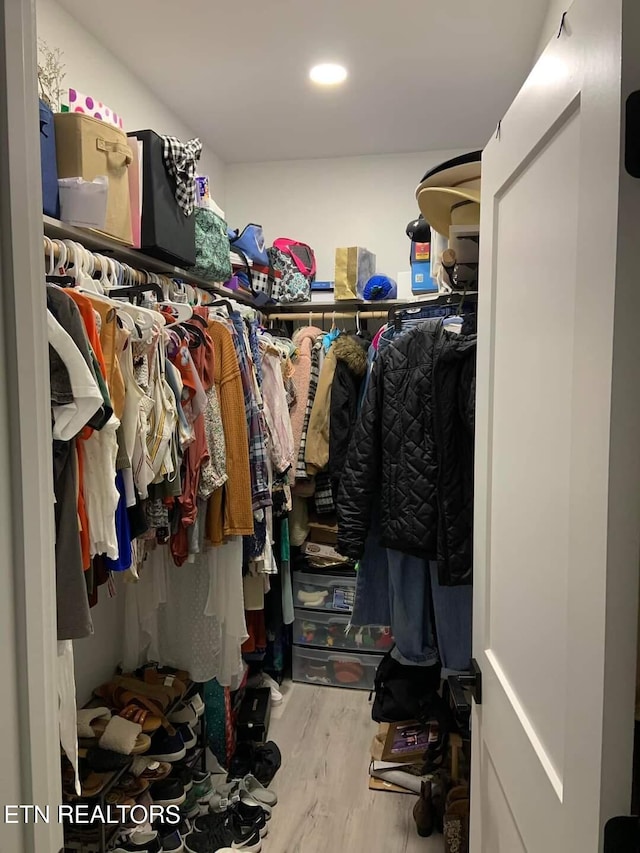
{"x":328,"y":74}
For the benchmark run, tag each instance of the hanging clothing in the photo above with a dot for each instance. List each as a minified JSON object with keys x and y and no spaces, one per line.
{"x":230,"y":509}
{"x":304,"y":339}
{"x":406,"y":427}
{"x":317,"y":446}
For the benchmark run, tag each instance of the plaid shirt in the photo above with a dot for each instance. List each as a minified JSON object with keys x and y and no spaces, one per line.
{"x":260,"y":492}
{"x":301,"y":467}
{"x":324,"y":494}
{"x":180,"y":159}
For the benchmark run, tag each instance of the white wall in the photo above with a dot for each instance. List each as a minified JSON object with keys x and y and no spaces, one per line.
{"x":552,"y":22}
{"x":346,"y":201}
{"x":93,"y":70}
{"x":97,"y":657}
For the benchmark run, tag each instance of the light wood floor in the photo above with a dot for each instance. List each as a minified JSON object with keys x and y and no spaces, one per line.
{"x":324,"y":804}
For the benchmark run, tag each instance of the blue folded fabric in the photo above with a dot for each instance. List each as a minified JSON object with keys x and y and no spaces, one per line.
{"x":380,"y":287}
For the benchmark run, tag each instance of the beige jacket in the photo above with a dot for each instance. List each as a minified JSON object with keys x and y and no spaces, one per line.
{"x":316,"y":454}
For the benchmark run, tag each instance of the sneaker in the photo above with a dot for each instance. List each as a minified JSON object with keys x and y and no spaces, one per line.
{"x":202,"y":784}
{"x":141,"y":841}
{"x":166,"y":747}
{"x":168,"y":792}
{"x":188,"y":736}
{"x":274,"y":687}
{"x":186,"y":714}
{"x":239,"y":835}
{"x":252,"y":816}
{"x":184,"y":774}
{"x":246,"y":836}
{"x":205,"y":842}
{"x":251,"y":801}
{"x":170,"y":840}
{"x":258,"y":791}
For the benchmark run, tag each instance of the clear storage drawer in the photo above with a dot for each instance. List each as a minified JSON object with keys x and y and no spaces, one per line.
{"x":329,"y":630}
{"x":324,"y":592}
{"x":334,"y":669}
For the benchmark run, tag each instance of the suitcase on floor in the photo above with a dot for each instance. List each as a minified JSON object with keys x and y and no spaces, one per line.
{"x":166,"y":233}
{"x":253,"y":717}
{"x":50,"y":198}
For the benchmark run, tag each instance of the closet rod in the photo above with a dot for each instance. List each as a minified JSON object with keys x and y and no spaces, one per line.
{"x":337,"y":315}
{"x":135,"y":258}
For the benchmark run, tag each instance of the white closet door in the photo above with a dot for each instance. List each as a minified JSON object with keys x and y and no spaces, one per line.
{"x":557,"y":522}
{"x":28,"y":705}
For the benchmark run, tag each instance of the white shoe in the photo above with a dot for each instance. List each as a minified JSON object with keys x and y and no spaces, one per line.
{"x":274,"y":687}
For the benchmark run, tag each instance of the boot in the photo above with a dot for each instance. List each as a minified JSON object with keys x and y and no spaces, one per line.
{"x":423,"y":811}
{"x":456,"y":826}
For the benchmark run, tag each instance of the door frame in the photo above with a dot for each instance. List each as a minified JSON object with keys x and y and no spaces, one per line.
{"x":25,"y":433}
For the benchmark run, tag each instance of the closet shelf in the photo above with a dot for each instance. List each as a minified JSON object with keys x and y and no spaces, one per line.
{"x":58,"y":230}
{"x":353,"y":305}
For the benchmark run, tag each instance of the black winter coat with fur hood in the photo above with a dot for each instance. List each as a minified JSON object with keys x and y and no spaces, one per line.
{"x":351,"y":367}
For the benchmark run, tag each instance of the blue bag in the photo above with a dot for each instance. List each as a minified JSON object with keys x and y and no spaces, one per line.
{"x":251,"y":243}
{"x":49,"y":166}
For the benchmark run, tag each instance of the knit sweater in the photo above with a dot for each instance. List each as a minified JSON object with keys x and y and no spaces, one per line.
{"x":230,"y":510}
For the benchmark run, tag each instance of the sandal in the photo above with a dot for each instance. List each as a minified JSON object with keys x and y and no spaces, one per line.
{"x":141,"y":703}
{"x":125,"y":737}
{"x":92,"y":722}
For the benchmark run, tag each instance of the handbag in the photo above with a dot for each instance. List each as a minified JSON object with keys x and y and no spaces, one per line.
{"x":296,"y":263}
{"x":213,"y":252}
{"x":255,"y":278}
{"x":251,"y":243}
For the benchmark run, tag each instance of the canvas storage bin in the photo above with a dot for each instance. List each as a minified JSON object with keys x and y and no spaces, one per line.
{"x":166,"y":232}
{"x":50,"y":202}
{"x":86,"y":148}
{"x":354,"y":268}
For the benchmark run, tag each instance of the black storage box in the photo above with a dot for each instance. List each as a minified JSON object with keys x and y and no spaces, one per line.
{"x":166,"y":234}
{"x":254,"y":715}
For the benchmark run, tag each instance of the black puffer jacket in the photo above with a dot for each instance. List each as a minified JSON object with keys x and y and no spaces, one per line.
{"x":351,"y":366}
{"x":411,"y":451}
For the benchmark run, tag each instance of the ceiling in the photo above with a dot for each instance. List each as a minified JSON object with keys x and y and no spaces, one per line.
{"x":423,"y":74}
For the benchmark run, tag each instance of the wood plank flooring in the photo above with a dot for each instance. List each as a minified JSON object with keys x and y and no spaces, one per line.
{"x":324,"y":803}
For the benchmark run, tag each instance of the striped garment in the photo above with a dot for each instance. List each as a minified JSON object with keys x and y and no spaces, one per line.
{"x":260,"y":492}
{"x":301,"y":467}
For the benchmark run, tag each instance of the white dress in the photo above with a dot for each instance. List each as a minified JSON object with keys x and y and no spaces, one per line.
{"x":190,"y":617}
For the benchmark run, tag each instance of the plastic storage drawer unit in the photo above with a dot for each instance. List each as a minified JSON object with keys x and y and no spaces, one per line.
{"x":331,"y":631}
{"x":324,"y":592}
{"x":334,"y":669}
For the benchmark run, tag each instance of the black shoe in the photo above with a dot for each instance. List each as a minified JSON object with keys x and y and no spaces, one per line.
{"x":210,"y":833}
{"x":168,"y":792}
{"x":141,"y":842}
{"x":205,"y":842}
{"x":184,"y":774}
{"x":252,"y":816}
{"x":246,"y":836}
{"x":243,"y":760}
{"x":171,"y":840}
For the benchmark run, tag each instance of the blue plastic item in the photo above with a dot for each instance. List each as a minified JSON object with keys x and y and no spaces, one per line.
{"x":49,"y":166}
{"x":380,"y":287}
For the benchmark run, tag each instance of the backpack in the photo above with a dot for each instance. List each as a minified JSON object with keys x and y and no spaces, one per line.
{"x":405,"y":692}
{"x":296,"y":263}
{"x":213,"y":254}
